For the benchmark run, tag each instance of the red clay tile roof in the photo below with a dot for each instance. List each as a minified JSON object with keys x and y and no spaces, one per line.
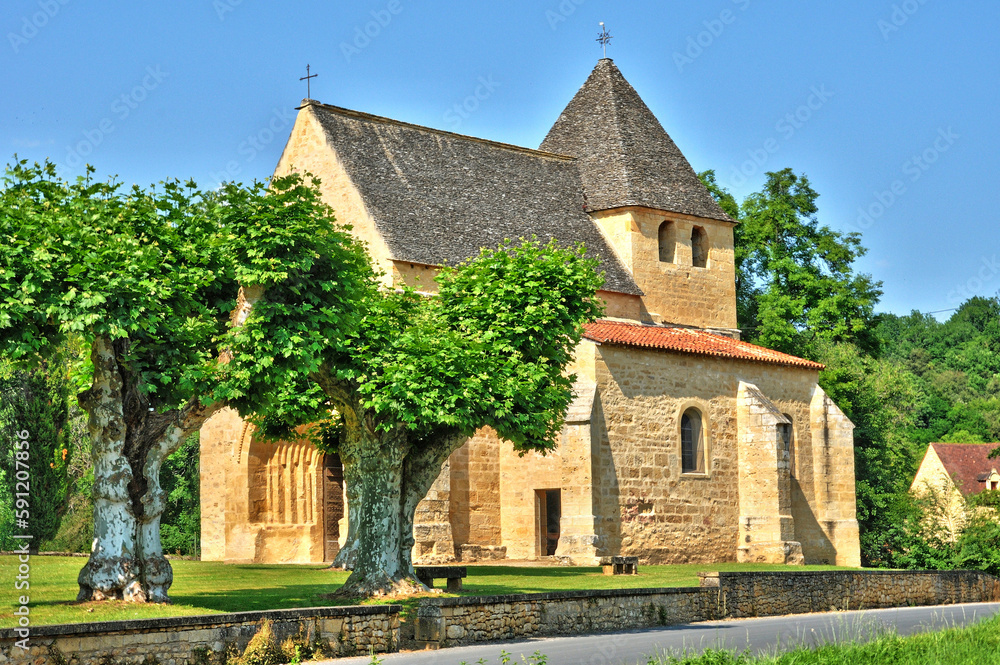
{"x":688,"y":340}
{"x":965,"y":462}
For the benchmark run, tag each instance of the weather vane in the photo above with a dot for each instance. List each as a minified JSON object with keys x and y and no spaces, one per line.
{"x":604,"y":39}
{"x":308,"y":82}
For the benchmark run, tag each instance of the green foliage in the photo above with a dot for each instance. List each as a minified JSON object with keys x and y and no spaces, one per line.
{"x":263,"y":648}
{"x":180,"y":526}
{"x":89,"y":259}
{"x":490,"y":349}
{"x":36,"y":401}
{"x":796,"y":283}
{"x":881,"y":398}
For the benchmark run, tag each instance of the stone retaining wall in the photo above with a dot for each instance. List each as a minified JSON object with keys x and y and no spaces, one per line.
{"x":798,"y":592}
{"x":183,"y":640}
{"x":445,"y":622}
{"x":455,"y":621}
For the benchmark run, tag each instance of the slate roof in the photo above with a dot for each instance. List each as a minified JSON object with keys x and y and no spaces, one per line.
{"x":438,"y":197}
{"x":688,"y":340}
{"x":967,"y":463}
{"x":626,"y":157}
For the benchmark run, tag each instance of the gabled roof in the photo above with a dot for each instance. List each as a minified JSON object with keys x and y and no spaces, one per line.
{"x":438,"y":197}
{"x":626,"y":157}
{"x":688,"y":340}
{"x":967,"y":463}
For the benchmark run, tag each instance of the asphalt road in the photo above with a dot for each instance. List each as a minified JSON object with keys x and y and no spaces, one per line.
{"x":629,"y":648}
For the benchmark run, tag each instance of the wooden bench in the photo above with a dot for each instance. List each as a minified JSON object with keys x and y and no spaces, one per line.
{"x":620,"y":565}
{"x":454,"y":575}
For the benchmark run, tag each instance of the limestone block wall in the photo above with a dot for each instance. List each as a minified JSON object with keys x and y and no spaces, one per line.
{"x":799,"y":592}
{"x":676,"y":292}
{"x":346,"y":631}
{"x":520,"y":480}
{"x":458,"y":621}
{"x":766,"y":528}
{"x":445,"y":622}
{"x":475,"y":497}
{"x":649,"y":509}
{"x":932,"y":479}
{"x":217,"y":438}
{"x":432,"y":529}
{"x":834,"y":489}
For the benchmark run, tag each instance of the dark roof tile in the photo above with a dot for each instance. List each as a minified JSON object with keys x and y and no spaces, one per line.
{"x":438,"y":197}
{"x":626,"y":157}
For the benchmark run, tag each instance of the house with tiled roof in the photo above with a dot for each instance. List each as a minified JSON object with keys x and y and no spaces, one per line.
{"x":950,"y":472}
{"x":683,"y":443}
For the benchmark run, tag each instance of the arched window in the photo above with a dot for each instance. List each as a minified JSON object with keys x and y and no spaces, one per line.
{"x":692,"y":442}
{"x":699,"y":247}
{"x":667,"y":242}
{"x":785,"y":439}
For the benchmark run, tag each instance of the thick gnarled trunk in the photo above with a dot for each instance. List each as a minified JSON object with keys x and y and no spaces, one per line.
{"x":111,"y":571}
{"x":130,"y":443}
{"x":420,"y":469}
{"x":373,"y":465}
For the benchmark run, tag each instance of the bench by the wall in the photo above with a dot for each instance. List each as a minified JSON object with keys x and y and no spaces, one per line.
{"x":454,"y":575}
{"x":620,"y":565}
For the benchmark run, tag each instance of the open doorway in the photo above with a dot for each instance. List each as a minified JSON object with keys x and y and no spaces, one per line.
{"x":548,"y":508}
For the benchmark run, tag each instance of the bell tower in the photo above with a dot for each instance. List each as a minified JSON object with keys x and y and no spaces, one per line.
{"x":642,"y":193}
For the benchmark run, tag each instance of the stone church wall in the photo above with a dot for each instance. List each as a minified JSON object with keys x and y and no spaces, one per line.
{"x":676,"y":291}
{"x":665,"y":516}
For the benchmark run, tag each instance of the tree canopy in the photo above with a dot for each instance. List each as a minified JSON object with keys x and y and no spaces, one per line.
{"x":148,"y":279}
{"x":796,"y":280}
{"x":419,"y":375}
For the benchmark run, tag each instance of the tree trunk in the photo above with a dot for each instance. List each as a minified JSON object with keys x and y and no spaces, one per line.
{"x":420,"y":469}
{"x":348,"y":554}
{"x":157,"y":574}
{"x":373,"y":464}
{"x":111,"y":572}
{"x":130,"y":441}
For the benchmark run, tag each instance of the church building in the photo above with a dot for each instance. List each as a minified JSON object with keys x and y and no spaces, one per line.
{"x":683,"y":443}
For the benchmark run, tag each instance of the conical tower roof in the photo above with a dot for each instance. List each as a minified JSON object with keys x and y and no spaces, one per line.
{"x":626,"y":158}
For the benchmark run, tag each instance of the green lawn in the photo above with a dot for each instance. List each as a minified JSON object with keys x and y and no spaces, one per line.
{"x":210,"y":587}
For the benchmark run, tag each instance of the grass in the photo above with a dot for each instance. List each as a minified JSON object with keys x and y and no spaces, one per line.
{"x":205,"y":587}
{"x":971,"y":645}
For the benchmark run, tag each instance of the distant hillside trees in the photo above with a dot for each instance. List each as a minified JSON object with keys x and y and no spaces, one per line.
{"x":905,"y":381}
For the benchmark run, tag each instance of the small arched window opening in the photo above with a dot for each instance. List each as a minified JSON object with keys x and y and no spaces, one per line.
{"x":666,"y":242}
{"x":692,"y":442}
{"x":787,"y":443}
{"x":699,"y":247}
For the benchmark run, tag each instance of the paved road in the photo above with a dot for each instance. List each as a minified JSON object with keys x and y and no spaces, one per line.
{"x":757,"y":634}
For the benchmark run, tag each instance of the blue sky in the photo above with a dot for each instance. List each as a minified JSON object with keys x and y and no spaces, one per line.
{"x":889,"y":106}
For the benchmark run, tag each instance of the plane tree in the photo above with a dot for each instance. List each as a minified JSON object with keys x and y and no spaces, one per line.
{"x":417,"y":377}
{"x":149,"y":280}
